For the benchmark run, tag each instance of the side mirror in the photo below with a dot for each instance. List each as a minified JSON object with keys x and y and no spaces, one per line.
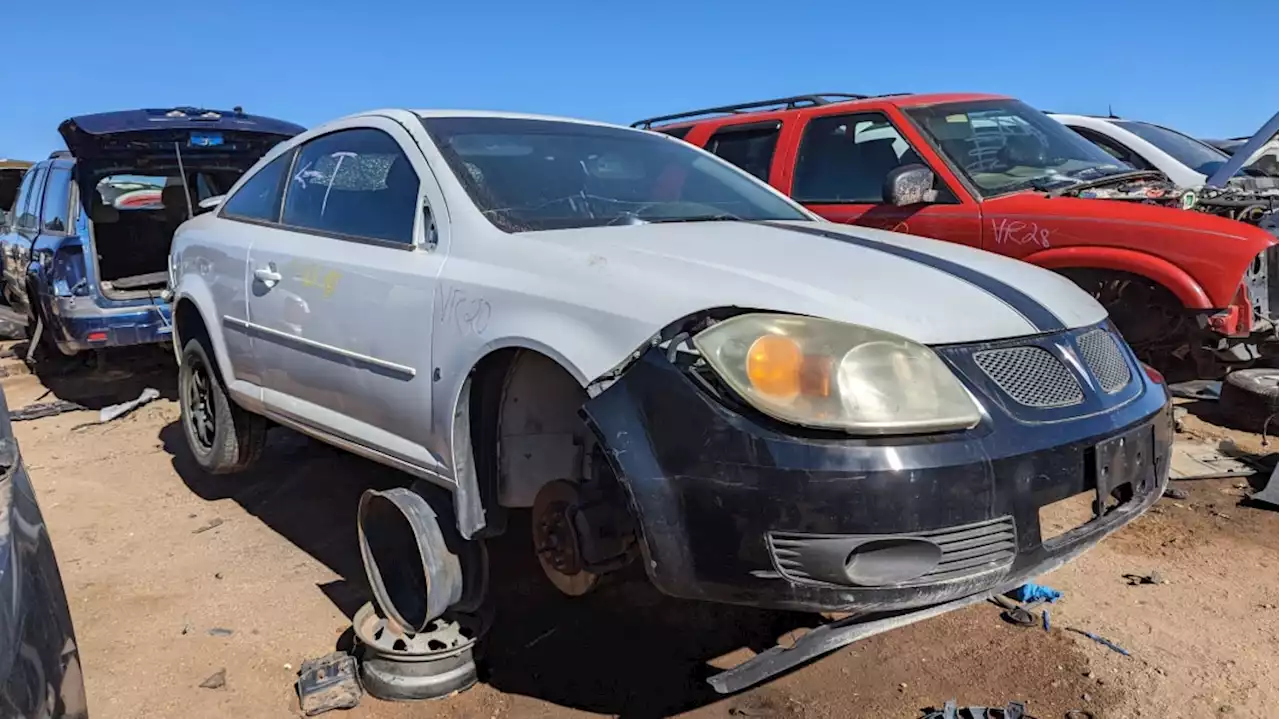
{"x":209,"y":203}
{"x":909,"y":185}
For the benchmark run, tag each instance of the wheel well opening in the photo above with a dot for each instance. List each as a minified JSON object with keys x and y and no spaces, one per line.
{"x":187,"y":320}
{"x":525,"y":430}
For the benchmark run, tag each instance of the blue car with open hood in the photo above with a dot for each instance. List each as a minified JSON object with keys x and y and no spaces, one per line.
{"x":86,"y":245}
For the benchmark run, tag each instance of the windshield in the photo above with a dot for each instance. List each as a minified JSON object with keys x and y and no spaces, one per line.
{"x":1201,"y":157}
{"x":1265,"y":161}
{"x":529,"y":175}
{"x":1005,"y":146}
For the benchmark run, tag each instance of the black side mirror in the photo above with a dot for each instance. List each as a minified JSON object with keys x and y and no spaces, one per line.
{"x":909,"y":185}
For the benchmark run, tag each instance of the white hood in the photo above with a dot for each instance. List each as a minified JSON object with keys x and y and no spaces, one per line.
{"x":930,"y":291}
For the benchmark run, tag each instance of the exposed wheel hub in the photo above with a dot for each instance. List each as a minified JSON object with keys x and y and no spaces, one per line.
{"x":580,"y":532}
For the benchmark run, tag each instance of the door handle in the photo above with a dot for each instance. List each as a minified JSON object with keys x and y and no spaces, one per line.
{"x":267,"y":276}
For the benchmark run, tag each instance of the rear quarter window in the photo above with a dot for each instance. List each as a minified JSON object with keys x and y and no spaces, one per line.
{"x":56,"y":212}
{"x":29,"y":209}
{"x":258,"y":199}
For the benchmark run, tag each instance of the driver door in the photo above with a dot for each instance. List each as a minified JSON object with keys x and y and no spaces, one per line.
{"x":840,"y":170}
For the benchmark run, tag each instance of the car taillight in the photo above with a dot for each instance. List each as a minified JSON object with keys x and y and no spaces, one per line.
{"x":1153,"y":373}
{"x":68,"y":273}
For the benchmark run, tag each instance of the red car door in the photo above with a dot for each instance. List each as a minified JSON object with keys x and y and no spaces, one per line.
{"x":840,"y":163}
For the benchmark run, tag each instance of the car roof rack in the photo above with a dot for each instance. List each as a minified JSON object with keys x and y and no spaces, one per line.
{"x":59,"y":154}
{"x":781,"y":103}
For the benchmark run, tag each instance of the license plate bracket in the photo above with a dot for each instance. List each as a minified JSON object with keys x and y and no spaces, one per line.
{"x":1126,"y":459}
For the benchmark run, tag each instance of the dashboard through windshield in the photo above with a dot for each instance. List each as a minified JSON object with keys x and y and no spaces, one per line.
{"x":1004,"y":146}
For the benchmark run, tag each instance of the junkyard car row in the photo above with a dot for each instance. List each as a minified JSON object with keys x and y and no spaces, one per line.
{"x":821,"y":353}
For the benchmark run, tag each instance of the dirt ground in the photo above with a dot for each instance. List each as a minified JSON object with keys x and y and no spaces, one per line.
{"x":157,"y":556}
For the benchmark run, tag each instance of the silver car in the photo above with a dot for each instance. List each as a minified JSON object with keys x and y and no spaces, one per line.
{"x":660,"y":356}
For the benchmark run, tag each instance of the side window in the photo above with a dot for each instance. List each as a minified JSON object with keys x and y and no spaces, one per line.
{"x":677,"y":132}
{"x":29,"y":214}
{"x":259,"y":197}
{"x":23,"y":196}
{"x":353,"y":183}
{"x":846,"y":159}
{"x":57,"y":201}
{"x":747,"y":146}
{"x":1113,"y":148}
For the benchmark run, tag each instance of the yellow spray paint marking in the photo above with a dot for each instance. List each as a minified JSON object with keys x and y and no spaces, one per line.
{"x":331,"y":282}
{"x":312,"y":275}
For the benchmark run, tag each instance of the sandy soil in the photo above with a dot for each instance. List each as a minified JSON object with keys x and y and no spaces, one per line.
{"x":156,"y":556}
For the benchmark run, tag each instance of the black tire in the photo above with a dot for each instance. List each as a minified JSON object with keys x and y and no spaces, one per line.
{"x":223,"y":437}
{"x":1249,"y":398}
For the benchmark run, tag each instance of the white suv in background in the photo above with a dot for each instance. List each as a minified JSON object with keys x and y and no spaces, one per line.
{"x":660,"y":356}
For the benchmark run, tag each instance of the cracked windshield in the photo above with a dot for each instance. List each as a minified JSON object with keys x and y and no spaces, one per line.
{"x":1004,"y":146}
{"x":527,"y":176}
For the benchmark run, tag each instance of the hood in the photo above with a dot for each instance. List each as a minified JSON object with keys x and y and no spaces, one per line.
{"x":1244,"y":154}
{"x":929,"y":291}
{"x":147,"y":138}
{"x":1052,"y":211}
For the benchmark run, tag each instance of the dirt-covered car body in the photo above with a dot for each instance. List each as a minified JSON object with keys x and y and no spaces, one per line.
{"x":451,"y":294}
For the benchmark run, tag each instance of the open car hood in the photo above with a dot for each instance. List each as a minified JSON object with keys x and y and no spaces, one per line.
{"x":1244,"y":154}
{"x":144,"y":137}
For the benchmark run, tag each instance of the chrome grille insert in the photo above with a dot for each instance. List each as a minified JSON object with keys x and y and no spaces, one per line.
{"x":1105,"y":360}
{"x":1031,"y":376}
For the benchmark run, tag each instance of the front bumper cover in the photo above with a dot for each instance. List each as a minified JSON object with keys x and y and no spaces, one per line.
{"x":712,"y":489}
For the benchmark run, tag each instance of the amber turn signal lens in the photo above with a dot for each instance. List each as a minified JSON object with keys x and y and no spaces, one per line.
{"x":773,"y":366}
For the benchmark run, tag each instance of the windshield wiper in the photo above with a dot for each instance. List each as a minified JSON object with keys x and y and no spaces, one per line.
{"x":724,"y":217}
{"x":1105,"y":180}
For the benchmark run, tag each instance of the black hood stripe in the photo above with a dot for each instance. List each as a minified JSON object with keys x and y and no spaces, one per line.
{"x":1020,"y":302}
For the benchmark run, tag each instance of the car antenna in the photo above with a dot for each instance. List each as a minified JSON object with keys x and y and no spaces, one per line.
{"x":1111,"y":114}
{"x":182,"y":173}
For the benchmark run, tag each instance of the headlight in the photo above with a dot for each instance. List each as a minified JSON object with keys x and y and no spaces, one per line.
{"x":821,"y":373}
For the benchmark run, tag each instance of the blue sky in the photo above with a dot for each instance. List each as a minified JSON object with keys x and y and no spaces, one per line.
{"x":312,"y":60}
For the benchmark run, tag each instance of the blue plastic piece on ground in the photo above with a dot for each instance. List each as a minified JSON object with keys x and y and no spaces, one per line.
{"x":1034,"y":593}
{"x":1104,"y":642}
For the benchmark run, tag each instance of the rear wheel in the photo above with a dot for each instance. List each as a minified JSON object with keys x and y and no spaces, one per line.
{"x":223,"y":436}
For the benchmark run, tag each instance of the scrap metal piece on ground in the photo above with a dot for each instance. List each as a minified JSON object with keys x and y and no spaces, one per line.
{"x":951,"y":710}
{"x":38,"y":410}
{"x":1202,"y":389}
{"x":1269,"y":494}
{"x":1198,"y":459}
{"x":328,"y":682}
{"x":106,"y":414}
{"x":1149,"y":578}
{"x":217,"y":680}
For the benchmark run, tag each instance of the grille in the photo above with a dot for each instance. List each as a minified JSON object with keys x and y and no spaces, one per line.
{"x":967,"y":550}
{"x":1105,"y":360}
{"x":972,"y":549}
{"x":1031,"y":376}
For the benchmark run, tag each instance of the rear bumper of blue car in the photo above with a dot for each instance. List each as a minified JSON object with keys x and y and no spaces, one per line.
{"x":78,"y":323}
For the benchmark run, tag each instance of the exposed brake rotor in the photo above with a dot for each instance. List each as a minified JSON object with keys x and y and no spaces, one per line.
{"x":555,"y":539}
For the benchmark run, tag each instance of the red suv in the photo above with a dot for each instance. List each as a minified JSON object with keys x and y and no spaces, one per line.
{"x":992,"y":172}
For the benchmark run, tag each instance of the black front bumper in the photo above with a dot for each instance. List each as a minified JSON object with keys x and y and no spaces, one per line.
{"x":736,"y":508}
